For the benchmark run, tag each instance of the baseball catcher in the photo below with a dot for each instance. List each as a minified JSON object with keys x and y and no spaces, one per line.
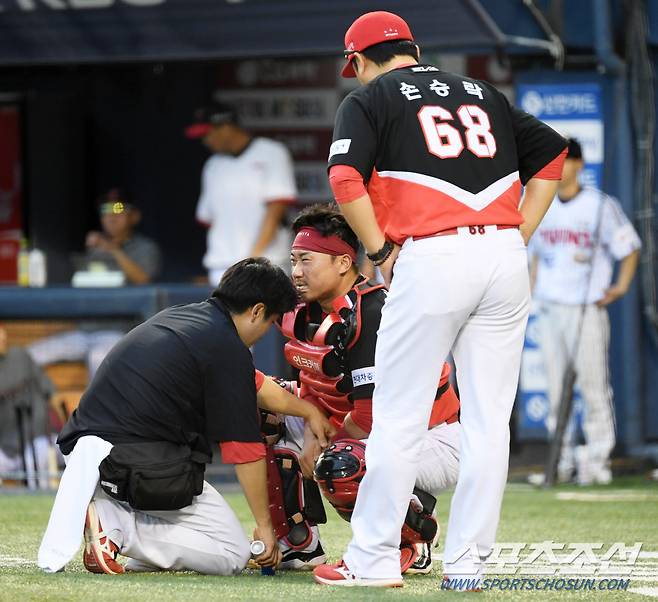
{"x":331,"y":344}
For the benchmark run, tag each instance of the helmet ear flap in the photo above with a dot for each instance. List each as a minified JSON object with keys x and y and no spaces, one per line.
{"x":339,"y":471}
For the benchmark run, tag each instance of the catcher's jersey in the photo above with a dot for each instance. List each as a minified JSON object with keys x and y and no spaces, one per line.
{"x":575,"y":261}
{"x":439,"y":150}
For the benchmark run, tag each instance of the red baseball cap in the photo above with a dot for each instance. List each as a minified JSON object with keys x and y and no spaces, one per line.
{"x":370,"y":29}
{"x":208,"y":117}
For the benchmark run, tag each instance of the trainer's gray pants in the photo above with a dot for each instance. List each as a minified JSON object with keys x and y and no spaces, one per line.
{"x":205,"y":536}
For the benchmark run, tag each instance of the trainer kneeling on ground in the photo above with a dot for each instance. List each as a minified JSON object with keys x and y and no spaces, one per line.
{"x":172,"y":386}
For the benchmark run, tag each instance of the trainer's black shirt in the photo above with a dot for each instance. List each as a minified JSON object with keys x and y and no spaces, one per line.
{"x":182,"y":374}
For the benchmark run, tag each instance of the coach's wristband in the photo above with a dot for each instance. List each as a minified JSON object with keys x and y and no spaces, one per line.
{"x":382,"y":255}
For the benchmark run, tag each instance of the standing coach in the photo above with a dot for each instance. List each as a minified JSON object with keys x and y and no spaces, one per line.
{"x":428,"y":168}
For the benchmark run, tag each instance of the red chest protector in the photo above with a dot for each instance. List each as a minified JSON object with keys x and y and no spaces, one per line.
{"x":320,"y":355}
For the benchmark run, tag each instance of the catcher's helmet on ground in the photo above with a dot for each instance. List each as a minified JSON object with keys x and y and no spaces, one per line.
{"x":339,"y":471}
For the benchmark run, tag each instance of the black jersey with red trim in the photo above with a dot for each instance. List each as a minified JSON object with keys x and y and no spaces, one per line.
{"x":439,"y":150}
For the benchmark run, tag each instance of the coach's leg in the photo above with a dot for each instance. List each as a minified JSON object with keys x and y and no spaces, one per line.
{"x":487,"y":356}
{"x":205,"y":536}
{"x":594,"y":382}
{"x":414,"y":339}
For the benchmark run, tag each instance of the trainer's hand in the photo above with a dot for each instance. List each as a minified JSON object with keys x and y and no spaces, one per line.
{"x":386,"y":268}
{"x":272,"y":554}
{"x":320,"y":427}
{"x":310,"y":453}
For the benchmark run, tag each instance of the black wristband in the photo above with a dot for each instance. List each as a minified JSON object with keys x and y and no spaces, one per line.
{"x":382,"y":255}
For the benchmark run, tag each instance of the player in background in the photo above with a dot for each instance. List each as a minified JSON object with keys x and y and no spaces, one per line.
{"x":247,"y":185}
{"x":332,"y":337}
{"x":428,"y":168}
{"x":573,"y":252}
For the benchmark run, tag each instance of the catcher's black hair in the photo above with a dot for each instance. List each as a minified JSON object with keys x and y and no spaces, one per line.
{"x":256,"y":280}
{"x":384,"y":51}
{"x":327,"y":220}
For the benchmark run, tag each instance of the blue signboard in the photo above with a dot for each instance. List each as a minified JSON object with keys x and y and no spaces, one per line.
{"x":575,"y":110}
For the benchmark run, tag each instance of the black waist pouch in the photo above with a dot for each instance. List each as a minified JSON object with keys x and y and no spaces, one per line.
{"x":153,"y":475}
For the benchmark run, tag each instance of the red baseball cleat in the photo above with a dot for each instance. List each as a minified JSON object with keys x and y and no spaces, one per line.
{"x":100,"y":551}
{"x":339,"y":574}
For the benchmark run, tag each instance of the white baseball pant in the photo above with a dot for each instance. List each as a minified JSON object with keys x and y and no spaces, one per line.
{"x":469,"y":293}
{"x":559,"y":325}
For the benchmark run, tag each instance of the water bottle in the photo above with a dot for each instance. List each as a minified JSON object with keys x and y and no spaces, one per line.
{"x":22,"y":268}
{"x":37,"y":268}
{"x":257,"y":547}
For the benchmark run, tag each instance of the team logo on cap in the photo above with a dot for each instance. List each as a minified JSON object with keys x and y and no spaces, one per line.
{"x":391,"y":32}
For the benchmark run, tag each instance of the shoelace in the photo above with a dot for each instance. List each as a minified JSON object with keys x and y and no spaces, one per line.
{"x":106,"y":546}
{"x":342,"y":568}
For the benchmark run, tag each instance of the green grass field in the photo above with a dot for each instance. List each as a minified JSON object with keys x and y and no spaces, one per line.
{"x":626,"y":511}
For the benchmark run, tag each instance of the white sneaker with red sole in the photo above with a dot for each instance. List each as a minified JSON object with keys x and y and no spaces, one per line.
{"x":339,"y":574}
{"x":100,"y":551}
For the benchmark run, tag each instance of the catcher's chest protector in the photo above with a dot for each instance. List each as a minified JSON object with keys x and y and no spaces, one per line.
{"x":319,"y":351}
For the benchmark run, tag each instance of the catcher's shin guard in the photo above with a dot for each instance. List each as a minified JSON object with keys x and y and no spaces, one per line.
{"x":295,"y":499}
{"x":272,"y":427}
{"x":420,"y":526}
{"x":339,"y":471}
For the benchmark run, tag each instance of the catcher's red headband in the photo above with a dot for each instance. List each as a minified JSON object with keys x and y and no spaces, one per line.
{"x":310,"y":239}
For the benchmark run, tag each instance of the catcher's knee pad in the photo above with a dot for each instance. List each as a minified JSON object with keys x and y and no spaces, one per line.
{"x":339,"y":471}
{"x":301,"y":500}
{"x":419,"y":524}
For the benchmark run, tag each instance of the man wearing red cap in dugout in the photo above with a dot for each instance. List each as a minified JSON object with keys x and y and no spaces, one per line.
{"x":427,"y":167}
{"x":332,"y":337}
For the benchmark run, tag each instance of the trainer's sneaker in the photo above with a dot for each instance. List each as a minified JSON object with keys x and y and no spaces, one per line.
{"x":100,"y":551}
{"x":303,"y":560}
{"x":422,"y":565}
{"x":339,"y":574}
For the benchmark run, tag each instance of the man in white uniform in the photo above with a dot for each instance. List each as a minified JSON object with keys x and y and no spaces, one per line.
{"x":246,"y":187}
{"x":573,"y":252}
{"x":326,"y":276}
{"x":427,"y":167}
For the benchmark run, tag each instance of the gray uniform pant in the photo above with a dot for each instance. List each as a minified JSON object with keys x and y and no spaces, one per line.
{"x":559,"y":324}
{"x":205,"y":536}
